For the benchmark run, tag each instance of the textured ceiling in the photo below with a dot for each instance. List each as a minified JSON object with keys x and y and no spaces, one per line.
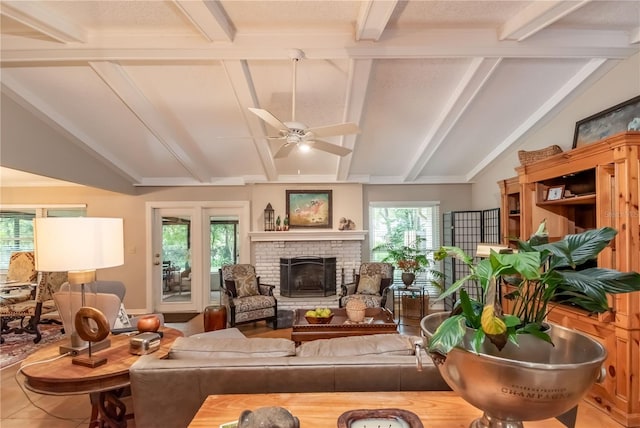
{"x":159,"y":91}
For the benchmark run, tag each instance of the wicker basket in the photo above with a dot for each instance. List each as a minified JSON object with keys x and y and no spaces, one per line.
{"x":527,"y":157}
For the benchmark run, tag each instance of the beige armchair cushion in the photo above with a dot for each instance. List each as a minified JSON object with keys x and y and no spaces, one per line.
{"x":247,"y":286}
{"x":369,"y":284}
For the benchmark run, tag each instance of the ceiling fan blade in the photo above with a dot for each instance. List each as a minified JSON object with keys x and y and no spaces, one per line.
{"x":333,"y":130}
{"x":269,"y":118}
{"x":284,"y":150}
{"x":329,"y":148}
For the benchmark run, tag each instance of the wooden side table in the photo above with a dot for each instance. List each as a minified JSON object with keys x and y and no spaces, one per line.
{"x":105,"y":384}
{"x":413,"y":301}
{"x":215,"y":318}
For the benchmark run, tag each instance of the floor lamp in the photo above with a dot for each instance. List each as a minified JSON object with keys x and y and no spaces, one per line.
{"x":79,"y":246}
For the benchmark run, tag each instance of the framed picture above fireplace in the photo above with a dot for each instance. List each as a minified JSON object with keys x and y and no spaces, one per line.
{"x":310,"y":208}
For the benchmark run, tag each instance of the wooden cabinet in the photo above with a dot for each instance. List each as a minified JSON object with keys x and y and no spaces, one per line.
{"x":600,"y":184}
{"x":510,"y":211}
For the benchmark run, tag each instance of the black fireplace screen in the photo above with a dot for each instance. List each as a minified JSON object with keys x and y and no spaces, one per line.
{"x":308,"y":276}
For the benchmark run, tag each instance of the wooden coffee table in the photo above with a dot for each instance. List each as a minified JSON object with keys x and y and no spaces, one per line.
{"x":104,"y":384}
{"x":380,"y":321}
{"x":436,"y":409}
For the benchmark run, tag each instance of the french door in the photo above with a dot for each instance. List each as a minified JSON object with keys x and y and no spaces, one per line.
{"x":189,"y":241}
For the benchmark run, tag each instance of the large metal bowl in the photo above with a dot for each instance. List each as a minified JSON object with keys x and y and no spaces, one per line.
{"x":529,"y":382}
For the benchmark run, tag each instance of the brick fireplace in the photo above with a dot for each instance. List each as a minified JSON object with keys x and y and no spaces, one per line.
{"x":269,"y":247}
{"x":308,"y":276}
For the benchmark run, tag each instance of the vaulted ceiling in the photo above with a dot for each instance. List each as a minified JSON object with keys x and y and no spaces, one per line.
{"x":160,"y":91}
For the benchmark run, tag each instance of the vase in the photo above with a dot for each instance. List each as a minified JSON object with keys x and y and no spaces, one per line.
{"x":148,"y":323}
{"x":215,"y":318}
{"x":408,"y":278}
{"x":355,"y":315}
{"x":536,"y":381}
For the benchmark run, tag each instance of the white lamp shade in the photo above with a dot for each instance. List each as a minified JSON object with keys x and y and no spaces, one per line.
{"x":64,"y":244}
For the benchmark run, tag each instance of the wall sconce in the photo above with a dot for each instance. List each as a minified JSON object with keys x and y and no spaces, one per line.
{"x":269,"y":220}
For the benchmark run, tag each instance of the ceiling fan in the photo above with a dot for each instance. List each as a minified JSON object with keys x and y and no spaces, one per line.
{"x":297,"y":134}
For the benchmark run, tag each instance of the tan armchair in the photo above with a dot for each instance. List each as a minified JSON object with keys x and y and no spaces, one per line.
{"x":371,"y":285}
{"x":29,"y":312}
{"x":245,"y":297}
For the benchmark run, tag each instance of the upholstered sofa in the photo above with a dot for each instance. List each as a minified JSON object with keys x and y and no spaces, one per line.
{"x":169,"y":392}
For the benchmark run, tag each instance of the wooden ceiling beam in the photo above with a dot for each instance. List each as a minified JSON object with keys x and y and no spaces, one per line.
{"x":373,"y":18}
{"x":38,"y":18}
{"x":535,"y":17}
{"x":209,"y":18}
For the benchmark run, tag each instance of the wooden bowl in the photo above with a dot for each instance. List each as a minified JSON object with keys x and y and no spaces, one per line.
{"x":319,"y":320}
{"x":148,"y":323}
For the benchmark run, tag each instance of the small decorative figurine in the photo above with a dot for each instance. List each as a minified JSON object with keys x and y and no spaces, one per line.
{"x":346,"y":224}
{"x":268,"y":417}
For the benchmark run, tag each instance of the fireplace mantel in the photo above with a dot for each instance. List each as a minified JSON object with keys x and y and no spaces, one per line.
{"x":309,"y":235}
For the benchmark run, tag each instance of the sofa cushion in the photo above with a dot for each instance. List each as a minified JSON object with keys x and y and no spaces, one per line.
{"x":225,"y":333}
{"x":247,"y":286}
{"x":375,"y":344}
{"x":384,"y":282}
{"x":369,"y":284}
{"x":202,"y":347}
{"x":254,"y":303}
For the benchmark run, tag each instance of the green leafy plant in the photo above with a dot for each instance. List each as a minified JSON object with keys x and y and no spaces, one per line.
{"x":407,"y":258}
{"x":541,"y":273}
{"x":412,"y":259}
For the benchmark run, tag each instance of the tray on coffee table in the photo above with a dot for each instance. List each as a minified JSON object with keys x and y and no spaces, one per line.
{"x":377,"y":321}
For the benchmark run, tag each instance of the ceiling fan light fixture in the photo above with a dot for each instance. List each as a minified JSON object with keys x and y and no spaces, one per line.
{"x":298,"y":134}
{"x":304,"y":147}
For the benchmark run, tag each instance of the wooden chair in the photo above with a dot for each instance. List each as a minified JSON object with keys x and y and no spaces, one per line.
{"x":371,"y":285}
{"x":22,"y":267}
{"x":245,"y":297}
{"x":29,"y":312}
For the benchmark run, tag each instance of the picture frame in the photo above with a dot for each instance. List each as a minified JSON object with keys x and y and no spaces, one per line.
{"x":310,"y":208}
{"x":621,"y":117}
{"x":554,"y":193}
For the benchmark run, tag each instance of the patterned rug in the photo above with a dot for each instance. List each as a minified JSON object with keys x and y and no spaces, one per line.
{"x":17,"y":347}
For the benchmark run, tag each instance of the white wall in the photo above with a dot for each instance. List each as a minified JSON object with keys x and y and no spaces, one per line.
{"x":618,"y":85}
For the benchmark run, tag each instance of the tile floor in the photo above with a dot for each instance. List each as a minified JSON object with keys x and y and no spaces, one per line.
{"x":24,"y":409}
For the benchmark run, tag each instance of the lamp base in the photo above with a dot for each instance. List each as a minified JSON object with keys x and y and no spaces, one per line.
{"x":91,"y":362}
{"x":83,"y":349}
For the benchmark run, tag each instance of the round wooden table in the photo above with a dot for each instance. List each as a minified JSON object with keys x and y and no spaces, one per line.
{"x":44,"y":374}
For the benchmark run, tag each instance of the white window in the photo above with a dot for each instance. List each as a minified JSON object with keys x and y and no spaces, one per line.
{"x":16,"y":226}
{"x":404,"y":223}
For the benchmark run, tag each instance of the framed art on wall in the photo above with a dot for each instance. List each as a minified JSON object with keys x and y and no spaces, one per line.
{"x":309,"y":208}
{"x":621,"y":117}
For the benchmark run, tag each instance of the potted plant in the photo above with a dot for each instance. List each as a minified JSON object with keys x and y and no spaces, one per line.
{"x":478,"y":344}
{"x":541,"y":273}
{"x":410,"y":259}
